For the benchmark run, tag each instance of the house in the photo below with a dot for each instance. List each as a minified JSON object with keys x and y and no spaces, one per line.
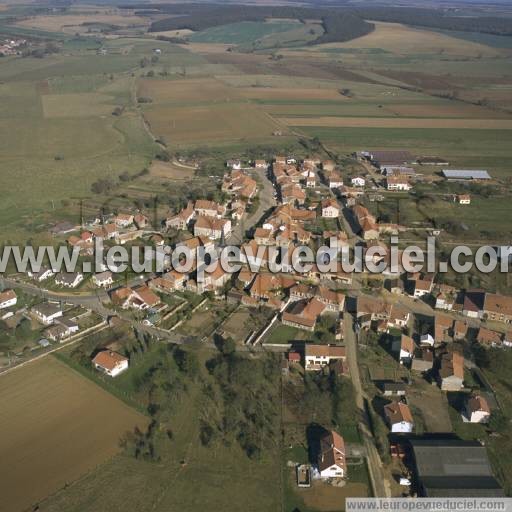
{"x":69,"y":279}
{"x":310,"y":180}
{"x":330,"y":209}
{"x":372,"y":308}
{"x":123,"y":220}
{"x":144,"y":298}
{"x":443,"y":325}
{"x":334,"y":301}
{"x":203,"y":207}
{"x":47,"y":312}
{"x":427,"y":340}
{"x":477,"y":409}
{"x":140,"y":220}
{"x":460,"y":330}
{"x":293,"y":357}
{"x":445,"y":300}
{"x":260,"y":164}
{"x":303,"y":314}
{"x":399,"y":317}
{"x":182,"y":219}
{"x":217,"y":279}
{"x":399,"y":417}
{"x":169,"y":282}
{"x":264,"y":236}
{"x":423,"y":360}
{"x":422,"y":285}
{"x":8,"y":298}
{"x":406,"y":349}
{"x":366,"y":222}
{"x":129,"y":236}
{"x":43,"y":274}
{"x":211,"y":227}
{"x":464,"y":199}
{"x":317,"y":357}
{"x":234,"y":164}
{"x":451,"y":371}
{"x":473,"y":303}
{"x":393,"y":388}
{"x":498,"y":308}
{"x":103,"y":279}
{"x":106,"y":232}
{"x":111,"y":363}
{"x":488,"y":338}
{"x":331,"y":459}
{"x":62,"y":329}
{"x":398,"y":182}
{"x":358,"y":181}
{"x":334,"y":179}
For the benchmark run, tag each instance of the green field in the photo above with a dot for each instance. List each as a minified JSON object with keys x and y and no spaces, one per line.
{"x":472,"y":149}
{"x":57,"y":131}
{"x":243,"y":32}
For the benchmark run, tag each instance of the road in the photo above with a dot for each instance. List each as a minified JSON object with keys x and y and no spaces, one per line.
{"x":266,"y":201}
{"x":380,"y":482}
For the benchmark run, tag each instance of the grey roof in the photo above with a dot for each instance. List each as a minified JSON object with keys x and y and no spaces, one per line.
{"x":452,"y":467}
{"x":67,"y":277}
{"x":46,"y":308}
{"x":463,"y":487}
{"x":466,"y":174}
{"x":394,"y":386}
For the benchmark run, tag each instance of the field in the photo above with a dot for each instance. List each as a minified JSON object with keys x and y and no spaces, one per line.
{"x":215,"y":124}
{"x":371,"y":122}
{"x":73,"y":139}
{"x":188,"y":474}
{"x":243,"y":32}
{"x":50,"y":430}
{"x":400,"y":39}
{"x":75,"y":23}
{"x":471,"y":149}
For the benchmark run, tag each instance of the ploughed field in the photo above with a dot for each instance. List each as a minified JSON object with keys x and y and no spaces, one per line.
{"x":55,"y":426}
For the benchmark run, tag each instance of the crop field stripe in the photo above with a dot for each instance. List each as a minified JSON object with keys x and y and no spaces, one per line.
{"x":401,"y":122}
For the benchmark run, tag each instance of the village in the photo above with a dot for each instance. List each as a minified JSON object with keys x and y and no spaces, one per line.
{"x":404,"y":334}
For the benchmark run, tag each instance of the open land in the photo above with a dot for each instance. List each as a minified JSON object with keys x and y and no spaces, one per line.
{"x":55,"y":426}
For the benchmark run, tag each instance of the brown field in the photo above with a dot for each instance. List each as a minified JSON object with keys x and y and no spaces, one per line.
{"x":170,"y":171}
{"x":71,"y":22}
{"x":180,"y":91}
{"x":443,"y":110}
{"x":404,"y":122}
{"x":282,"y":93}
{"x":401,"y":39}
{"x":213,"y":123}
{"x":327,"y":497}
{"x":55,"y":426}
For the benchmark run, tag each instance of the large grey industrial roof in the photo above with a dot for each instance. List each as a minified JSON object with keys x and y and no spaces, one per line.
{"x":450,"y":467}
{"x":466,"y":174}
{"x":450,"y":458}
